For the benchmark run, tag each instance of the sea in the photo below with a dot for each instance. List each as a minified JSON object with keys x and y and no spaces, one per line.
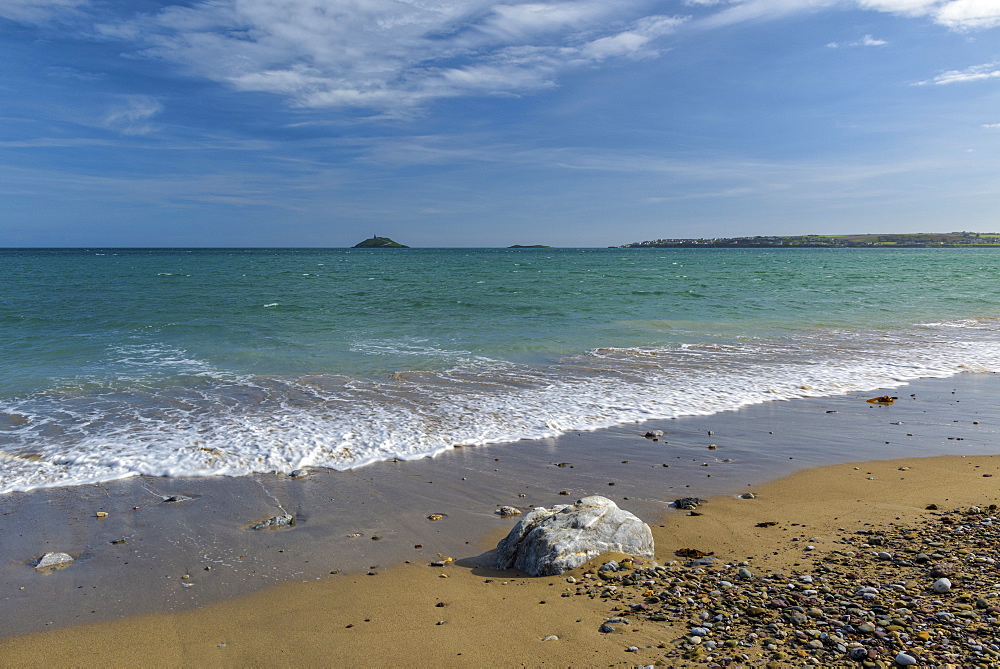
{"x":228,"y":362}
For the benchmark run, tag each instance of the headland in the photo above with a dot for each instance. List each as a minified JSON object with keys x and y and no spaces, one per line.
{"x":920,"y":240}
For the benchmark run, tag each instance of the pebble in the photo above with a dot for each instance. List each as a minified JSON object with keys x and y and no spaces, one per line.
{"x":551,"y":637}
{"x":845,"y":605}
{"x":284,"y":520}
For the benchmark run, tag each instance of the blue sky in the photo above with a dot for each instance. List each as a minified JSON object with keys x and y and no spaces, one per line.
{"x":481,"y":123}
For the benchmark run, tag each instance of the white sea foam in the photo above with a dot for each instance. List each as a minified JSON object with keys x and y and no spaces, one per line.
{"x":197,"y":420}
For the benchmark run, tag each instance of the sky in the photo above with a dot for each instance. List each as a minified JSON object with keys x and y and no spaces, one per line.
{"x":468,"y":123}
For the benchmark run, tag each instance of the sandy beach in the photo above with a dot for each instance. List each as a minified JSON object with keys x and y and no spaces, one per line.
{"x":386,"y":605}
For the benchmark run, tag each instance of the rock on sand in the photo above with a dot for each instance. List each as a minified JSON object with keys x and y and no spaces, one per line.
{"x":53,"y":561}
{"x":550,"y":541}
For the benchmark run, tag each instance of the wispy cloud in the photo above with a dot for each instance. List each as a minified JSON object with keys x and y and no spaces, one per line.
{"x":867,"y":40}
{"x":38,"y":11}
{"x":959,"y":15}
{"x":992,"y":126}
{"x":974,"y":73}
{"x":132,"y":116}
{"x":73,"y":73}
{"x":392,"y":56}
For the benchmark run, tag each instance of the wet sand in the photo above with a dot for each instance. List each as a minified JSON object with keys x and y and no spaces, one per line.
{"x":301,"y":611}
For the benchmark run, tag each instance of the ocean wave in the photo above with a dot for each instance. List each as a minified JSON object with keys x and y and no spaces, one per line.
{"x":183,"y":417}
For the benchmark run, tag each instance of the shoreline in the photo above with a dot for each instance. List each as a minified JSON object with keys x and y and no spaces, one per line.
{"x":467,"y":614}
{"x":392,"y":501}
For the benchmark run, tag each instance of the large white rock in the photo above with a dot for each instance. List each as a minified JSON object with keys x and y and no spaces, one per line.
{"x":550,"y":541}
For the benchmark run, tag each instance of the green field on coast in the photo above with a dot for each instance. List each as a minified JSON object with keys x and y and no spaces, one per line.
{"x":902,"y":240}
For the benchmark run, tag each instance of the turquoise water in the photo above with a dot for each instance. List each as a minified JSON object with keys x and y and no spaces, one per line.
{"x":193,"y":362}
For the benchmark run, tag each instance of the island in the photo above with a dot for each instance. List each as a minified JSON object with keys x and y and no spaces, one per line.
{"x":894,"y":240}
{"x":380,"y":243}
{"x":531,"y":246}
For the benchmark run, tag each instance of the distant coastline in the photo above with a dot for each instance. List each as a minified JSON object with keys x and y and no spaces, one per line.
{"x":896,"y":240}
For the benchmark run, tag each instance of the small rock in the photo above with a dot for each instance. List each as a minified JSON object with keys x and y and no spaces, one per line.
{"x":702,"y":562}
{"x":688,"y":503}
{"x":606,"y":628}
{"x":942,"y":570}
{"x":285,"y":520}
{"x":506,"y":511}
{"x":551,"y":637}
{"x":748,"y":495}
{"x":941,"y":586}
{"x":858,"y":654}
{"x":299,"y":474}
{"x":654,"y":434}
{"x":905,"y":659}
{"x":53,"y":561}
{"x":632,"y":649}
{"x":177,"y":498}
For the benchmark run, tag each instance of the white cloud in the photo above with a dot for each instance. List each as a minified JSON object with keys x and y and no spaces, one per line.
{"x":762,"y":10}
{"x":959,"y":15}
{"x":519,"y":22}
{"x":633,"y":42}
{"x":867,"y":40}
{"x":904,"y":7}
{"x":992,"y":126}
{"x":974,"y":73}
{"x":392,"y":55}
{"x":132,"y":116}
{"x":37,"y":11}
{"x":969,"y":14}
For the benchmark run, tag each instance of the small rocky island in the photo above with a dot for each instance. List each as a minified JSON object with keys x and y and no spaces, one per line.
{"x":380,"y":243}
{"x":531,"y":246}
